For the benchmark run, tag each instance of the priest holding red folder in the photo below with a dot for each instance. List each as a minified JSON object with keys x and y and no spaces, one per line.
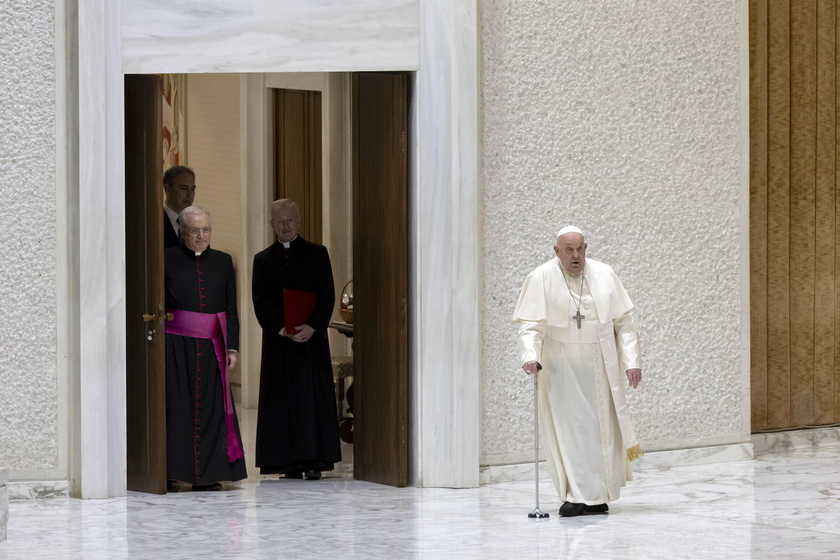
{"x":294,"y":296}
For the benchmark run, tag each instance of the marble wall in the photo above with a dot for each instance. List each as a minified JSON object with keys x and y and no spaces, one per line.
{"x":268,"y":35}
{"x":626,"y":119}
{"x":4,"y":502}
{"x":31,"y":431}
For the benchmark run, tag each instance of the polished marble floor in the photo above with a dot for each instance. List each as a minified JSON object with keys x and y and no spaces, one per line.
{"x":785,"y":503}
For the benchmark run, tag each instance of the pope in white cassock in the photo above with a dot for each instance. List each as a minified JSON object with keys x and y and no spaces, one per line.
{"x":576,"y":327}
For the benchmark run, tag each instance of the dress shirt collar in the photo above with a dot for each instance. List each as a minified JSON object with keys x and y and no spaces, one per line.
{"x":172,"y":215}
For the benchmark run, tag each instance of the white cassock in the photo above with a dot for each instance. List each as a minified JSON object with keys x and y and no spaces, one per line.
{"x":587,"y":433}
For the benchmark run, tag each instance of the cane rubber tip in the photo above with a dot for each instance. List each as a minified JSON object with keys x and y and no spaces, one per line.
{"x":537,"y":515}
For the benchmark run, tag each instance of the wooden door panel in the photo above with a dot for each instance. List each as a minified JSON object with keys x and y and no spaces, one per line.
{"x":794,"y":239}
{"x":380,"y":283}
{"x":824,"y":200}
{"x":778,"y":224}
{"x":759,"y":157}
{"x":298,"y":159}
{"x":145,"y":383}
{"x":802,"y":207}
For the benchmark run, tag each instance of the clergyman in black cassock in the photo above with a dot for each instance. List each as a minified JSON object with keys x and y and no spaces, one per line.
{"x":200,"y":279}
{"x":297,"y":422}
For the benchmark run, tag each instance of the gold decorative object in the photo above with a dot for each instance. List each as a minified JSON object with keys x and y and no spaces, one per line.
{"x":345,"y":306}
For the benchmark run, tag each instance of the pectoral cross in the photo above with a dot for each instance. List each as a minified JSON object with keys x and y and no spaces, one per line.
{"x":578,"y":317}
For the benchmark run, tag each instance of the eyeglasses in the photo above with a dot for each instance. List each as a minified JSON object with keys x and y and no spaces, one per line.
{"x":289,"y":222}
{"x":196,"y":231}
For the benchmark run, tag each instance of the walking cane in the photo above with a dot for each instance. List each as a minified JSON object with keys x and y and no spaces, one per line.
{"x":537,"y":514}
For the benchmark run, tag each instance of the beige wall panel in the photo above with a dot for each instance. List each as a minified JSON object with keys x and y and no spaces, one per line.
{"x":213,"y":152}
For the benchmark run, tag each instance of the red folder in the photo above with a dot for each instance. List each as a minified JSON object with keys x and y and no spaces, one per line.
{"x":298,"y":307}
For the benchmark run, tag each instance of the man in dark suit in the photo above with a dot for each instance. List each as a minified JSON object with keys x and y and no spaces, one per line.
{"x":297,"y":422}
{"x":179,"y":188}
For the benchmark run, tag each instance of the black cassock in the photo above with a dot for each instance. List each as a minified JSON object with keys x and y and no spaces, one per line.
{"x":297,"y":423}
{"x":196,"y":432}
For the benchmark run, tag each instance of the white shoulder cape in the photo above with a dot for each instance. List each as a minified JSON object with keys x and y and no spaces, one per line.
{"x":545,"y":295}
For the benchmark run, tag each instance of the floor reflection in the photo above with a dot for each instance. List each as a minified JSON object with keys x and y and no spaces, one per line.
{"x":782,"y":503}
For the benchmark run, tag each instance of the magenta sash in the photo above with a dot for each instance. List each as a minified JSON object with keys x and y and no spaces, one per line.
{"x":214,"y":327}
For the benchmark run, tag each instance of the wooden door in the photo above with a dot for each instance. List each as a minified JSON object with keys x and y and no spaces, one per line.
{"x":380,"y":283}
{"x":297,"y":161}
{"x":794,"y":238}
{"x":145,"y":340}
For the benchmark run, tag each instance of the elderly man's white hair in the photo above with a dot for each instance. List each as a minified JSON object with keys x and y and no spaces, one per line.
{"x":284,"y":203}
{"x":569,"y":229}
{"x":185,"y":217}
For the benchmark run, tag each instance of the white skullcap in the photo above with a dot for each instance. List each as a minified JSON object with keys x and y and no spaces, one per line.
{"x":569,"y":229}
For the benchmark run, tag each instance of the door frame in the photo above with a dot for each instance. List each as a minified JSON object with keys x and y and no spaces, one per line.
{"x":444,"y":408}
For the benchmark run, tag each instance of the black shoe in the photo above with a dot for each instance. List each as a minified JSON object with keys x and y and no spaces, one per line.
{"x":172,"y":486}
{"x":293,"y":474}
{"x":569,"y":509}
{"x":597,"y":508}
{"x":312,"y":474}
{"x":207,"y":487}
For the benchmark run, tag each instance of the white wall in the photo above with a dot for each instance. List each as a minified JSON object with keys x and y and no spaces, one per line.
{"x":32,"y":387}
{"x":626,"y":119}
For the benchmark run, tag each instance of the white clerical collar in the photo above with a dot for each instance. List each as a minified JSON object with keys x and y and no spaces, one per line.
{"x":287,"y":243}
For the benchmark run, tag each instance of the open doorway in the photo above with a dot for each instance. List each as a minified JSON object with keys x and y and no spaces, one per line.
{"x":216,"y":139}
